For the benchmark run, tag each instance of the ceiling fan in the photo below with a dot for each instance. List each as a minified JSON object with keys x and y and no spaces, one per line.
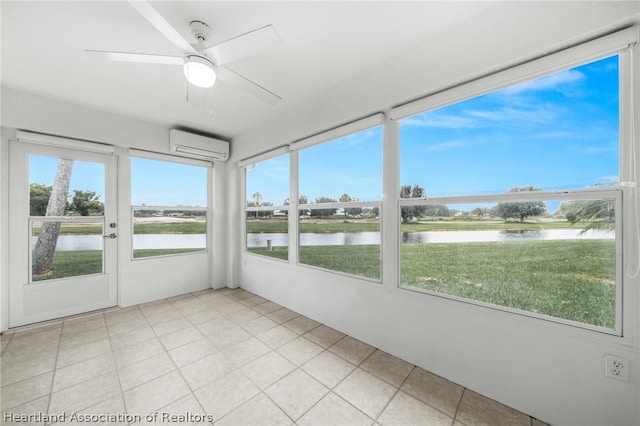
{"x":203,"y":64}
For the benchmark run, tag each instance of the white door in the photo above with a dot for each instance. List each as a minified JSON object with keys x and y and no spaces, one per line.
{"x":63,"y":230}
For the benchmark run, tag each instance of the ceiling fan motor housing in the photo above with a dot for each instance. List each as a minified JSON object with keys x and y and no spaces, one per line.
{"x":200,"y":31}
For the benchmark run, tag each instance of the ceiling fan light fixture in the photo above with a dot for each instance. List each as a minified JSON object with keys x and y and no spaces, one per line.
{"x":199,"y":71}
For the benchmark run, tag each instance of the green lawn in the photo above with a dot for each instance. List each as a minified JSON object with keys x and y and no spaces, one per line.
{"x":258,"y":226}
{"x":196,"y":227}
{"x":73,"y":263}
{"x":567,"y":279}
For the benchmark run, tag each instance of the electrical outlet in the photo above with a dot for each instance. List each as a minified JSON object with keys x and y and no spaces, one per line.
{"x":616,"y":367}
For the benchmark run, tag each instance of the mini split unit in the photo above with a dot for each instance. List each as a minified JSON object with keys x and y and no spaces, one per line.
{"x":196,"y":146}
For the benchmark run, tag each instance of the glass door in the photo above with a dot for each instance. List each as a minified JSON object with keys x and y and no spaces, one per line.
{"x":63,"y":229}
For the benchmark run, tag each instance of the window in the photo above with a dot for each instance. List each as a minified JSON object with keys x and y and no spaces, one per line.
{"x":340,"y":187}
{"x":169,"y":207}
{"x":267,"y":207}
{"x":66,"y":217}
{"x":512,"y":198}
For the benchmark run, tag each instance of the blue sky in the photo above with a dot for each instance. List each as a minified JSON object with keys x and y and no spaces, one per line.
{"x":153,"y":182}
{"x":555,"y":132}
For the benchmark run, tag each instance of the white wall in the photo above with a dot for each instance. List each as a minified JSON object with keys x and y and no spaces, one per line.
{"x":139,"y":280}
{"x":551,"y":371}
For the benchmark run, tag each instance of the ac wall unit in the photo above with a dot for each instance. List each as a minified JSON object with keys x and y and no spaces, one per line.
{"x":196,"y":146}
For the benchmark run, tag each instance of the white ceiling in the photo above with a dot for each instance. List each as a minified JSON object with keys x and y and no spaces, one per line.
{"x":325,"y":45}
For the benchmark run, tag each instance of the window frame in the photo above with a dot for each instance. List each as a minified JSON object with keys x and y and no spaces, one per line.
{"x":619,"y":43}
{"x":208,"y":165}
{"x":613,"y":193}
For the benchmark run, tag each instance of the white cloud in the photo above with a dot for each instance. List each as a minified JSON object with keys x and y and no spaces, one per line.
{"x":553,"y":81}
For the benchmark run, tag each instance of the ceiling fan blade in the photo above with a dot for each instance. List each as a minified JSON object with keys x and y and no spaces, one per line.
{"x":161,"y":24}
{"x":235,"y":79}
{"x":137,"y":57}
{"x":244,"y":45}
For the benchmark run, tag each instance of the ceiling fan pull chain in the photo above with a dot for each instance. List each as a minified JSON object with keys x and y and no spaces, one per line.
{"x":209,"y":101}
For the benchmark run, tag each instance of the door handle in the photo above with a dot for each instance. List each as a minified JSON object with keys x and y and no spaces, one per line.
{"x":112,"y":235}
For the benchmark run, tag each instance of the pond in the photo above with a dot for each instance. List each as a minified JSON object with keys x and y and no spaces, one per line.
{"x":149,"y":241}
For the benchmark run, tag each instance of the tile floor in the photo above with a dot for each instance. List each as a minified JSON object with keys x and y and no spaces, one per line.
{"x":226,"y":357}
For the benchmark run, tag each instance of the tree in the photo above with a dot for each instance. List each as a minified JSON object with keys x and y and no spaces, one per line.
{"x":353,"y":211}
{"x":594,"y":214}
{"x":86,"y":203}
{"x":48,"y":238}
{"x":39,"y":195}
{"x":323,"y":212}
{"x":415,"y":191}
{"x":521,"y":209}
{"x":345,"y":198}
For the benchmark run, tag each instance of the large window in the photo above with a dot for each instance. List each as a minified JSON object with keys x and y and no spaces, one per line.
{"x":169,"y":207}
{"x":340,"y":187}
{"x":267,"y":207}
{"x":512,"y":198}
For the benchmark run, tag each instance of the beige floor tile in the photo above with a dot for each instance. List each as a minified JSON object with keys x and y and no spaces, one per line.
{"x":296,"y":393}
{"x":28,"y":352}
{"x":203,"y":316}
{"x":192,"y":352}
{"x":81,"y":338}
{"x":282,"y":315}
{"x":129,"y":338}
{"x":247,"y":351}
{"x":243,"y":316}
{"x":212,"y":327}
{"x":189,"y":306}
{"x":258,"y":411}
{"x":206,"y":370}
{"x":229,"y":308}
{"x":166,"y":327}
{"x":145,"y":398}
{"x":258,"y":325}
{"x":301,"y":324}
{"x":299,"y":350}
{"x":226,"y":394}
{"x":166,"y":314}
{"x":328,"y":369}
{"x":536,"y":422}
{"x":253,"y":301}
{"x":324,"y":336}
{"x":83,"y":352}
{"x":82,"y":371}
{"x":12,"y":372}
{"x":365,"y":391}
{"x":240,"y":294}
{"x":85,"y":394}
{"x":88,"y":323}
{"x":46,"y":335}
{"x":266,"y":308}
{"x":185,"y":411}
{"x":268,"y":369}
{"x":113,"y":406}
{"x":22,"y":392}
{"x":216,"y":300}
{"x":127,"y":326}
{"x":387,"y":367}
{"x":478,"y":410}
{"x":31,"y":408}
{"x":137,"y":352}
{"x":333,"y":410}
{"x":433,"y":390}
{"x":130,"y":314}
{"x":277,"y":336}
{"x":228,"y":337}
{"x":143,"y":371}
{"x":406,"y":410}
{"x":352,"y":350}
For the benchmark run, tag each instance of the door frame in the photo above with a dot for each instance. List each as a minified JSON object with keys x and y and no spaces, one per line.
{"x":45,"y":300}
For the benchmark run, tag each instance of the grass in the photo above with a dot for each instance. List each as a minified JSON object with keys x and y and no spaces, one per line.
{"x":74,"y":263}
{"x":453,"y":224}
{"x":163,"y":252}
{"x":574,"y":280}
{"x":138,"y":228}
